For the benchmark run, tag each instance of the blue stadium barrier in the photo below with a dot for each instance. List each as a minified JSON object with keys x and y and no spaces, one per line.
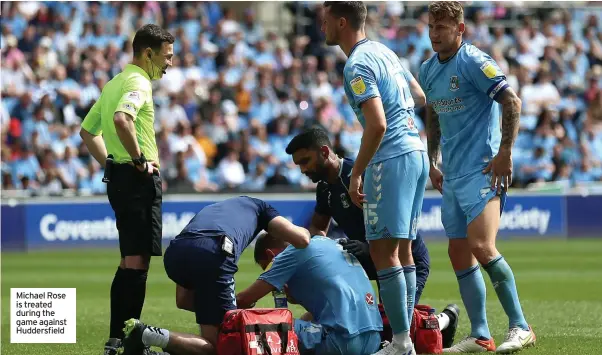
{"x":89,"y":222}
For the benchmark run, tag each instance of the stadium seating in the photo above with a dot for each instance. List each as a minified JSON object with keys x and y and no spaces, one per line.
{"x":237,"y":93}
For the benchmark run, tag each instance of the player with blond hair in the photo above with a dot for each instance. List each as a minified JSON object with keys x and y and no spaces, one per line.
{"x":465,"y":88}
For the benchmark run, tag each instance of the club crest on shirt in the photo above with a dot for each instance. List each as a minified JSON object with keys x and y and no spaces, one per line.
{"x":484,"y":191}
{"x":345,"y":200}
{"x":358,"y":86}
{"x":454,"y":83}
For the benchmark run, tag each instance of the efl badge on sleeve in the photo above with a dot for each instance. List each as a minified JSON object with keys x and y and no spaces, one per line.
{"x":134,"y":97}
{"x":489,"y":70}
{"x":454,"y":83}
{"x":358,"y":86}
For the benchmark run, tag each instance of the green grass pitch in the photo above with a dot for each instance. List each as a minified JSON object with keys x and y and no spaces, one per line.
{"x":559,"y":284}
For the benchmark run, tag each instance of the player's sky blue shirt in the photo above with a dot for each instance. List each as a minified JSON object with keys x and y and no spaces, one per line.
{"x":462,"y":91}
{"x":330,"y":284}
{"x":373,"y":70}
{"x":240,"y":218}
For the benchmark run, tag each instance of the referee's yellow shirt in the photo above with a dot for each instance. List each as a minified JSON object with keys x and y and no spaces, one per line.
{"x":131,"y":92}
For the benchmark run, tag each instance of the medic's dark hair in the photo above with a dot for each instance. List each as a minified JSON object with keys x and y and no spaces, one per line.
{"x":312,"y":138}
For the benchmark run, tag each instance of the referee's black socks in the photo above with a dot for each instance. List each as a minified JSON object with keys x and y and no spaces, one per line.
{"x":128,"y":291}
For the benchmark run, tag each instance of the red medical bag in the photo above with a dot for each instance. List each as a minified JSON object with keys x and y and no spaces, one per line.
{"x":258,"y":331}
{"x":424,"y":330}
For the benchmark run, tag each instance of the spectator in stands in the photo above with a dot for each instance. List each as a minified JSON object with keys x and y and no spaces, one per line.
{"x":234,"y":76}
{"x":91,"y":182}
{"x":230,"y":170}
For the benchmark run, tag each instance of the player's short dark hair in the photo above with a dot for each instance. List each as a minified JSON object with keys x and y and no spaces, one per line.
{"x":443,"y":9}
{"x":264,"y":242}
{"x":354,"y":12}
{"x":312,"y":138}
{"x":150,"y":35}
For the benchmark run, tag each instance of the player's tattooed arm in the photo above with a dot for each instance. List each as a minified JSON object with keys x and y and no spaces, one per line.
{"x":433,"y":131}
{"x":511,"y":108}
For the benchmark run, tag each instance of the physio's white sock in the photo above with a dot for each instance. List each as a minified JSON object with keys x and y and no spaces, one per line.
{"x":443,"y":320}
{"x":155,"y":337}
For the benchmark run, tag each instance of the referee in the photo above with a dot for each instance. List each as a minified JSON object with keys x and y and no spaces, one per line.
{"x":120,"y":126}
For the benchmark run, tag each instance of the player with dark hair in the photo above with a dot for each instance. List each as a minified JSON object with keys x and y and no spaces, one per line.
{"x":202,"y":261}
{"x":312,"y":151}
{"x":343,"y":316}
{"x":119,"y":133}
{"x":383,"y":95}
{"x":465,"y":88}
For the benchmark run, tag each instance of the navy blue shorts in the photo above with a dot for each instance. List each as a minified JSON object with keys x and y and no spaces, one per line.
{"x":422,"y":260}
{"x":199,"y":264}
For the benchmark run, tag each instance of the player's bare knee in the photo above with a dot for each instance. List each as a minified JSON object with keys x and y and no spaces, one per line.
{"x":460,"y":255}
{"x":484,"y":256}
{"x":384,"y":253}
{"x":405,"y":252}
{"x":484,"y":251}
{"x":453,"y":252}
{"x":138,"y":262}
{"x":458,"y":248}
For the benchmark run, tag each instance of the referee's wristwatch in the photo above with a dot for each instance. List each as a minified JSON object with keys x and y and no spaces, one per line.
{"x":140,"y":162}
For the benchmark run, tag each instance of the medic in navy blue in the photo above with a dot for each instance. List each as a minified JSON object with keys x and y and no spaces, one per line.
{"x":203,"y":257}
{"x":240,"y":218}
{"x":332,"y":200}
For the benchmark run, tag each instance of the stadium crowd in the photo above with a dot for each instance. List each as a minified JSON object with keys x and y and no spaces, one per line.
{"x":237,"y":93}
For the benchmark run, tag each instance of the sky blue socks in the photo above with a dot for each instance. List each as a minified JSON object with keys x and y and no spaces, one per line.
{"x":393,"y":293}
{"x":410,"y":275}
{"x":473,"y":292}
{"x":503,"y":282}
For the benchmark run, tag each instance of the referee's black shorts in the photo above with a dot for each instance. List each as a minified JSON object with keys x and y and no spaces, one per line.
{"x":136,"y":199}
